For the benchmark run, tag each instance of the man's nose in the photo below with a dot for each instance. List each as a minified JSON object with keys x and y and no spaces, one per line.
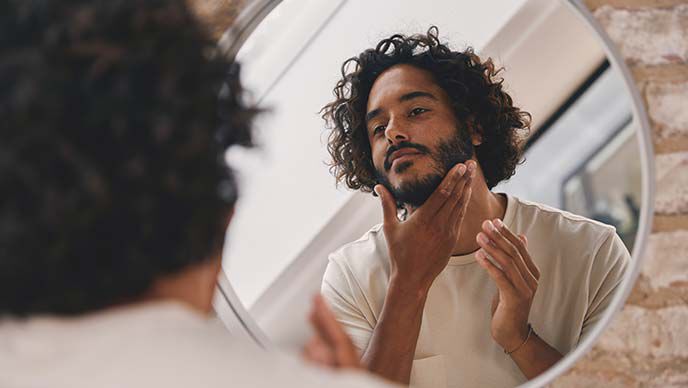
{"x":396,"y":132}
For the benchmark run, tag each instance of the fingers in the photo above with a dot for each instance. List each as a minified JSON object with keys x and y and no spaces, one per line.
{"x":317,"y":352}
{"x":333,"y":335}
{"x":460,"y":196}
{"x":500,"y":279}
{"x":459,"y":210}
{"x":508,"y":252}
{"x":444,"y":192}
{"x":507,"y":266}
{"x":521,"y":243}
{"x":389,"y":205}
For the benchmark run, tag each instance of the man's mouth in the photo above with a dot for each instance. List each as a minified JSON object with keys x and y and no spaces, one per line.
{"x":402,"y":154}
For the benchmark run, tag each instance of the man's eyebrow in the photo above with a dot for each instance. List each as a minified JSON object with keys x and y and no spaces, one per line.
{"x":417,"y":94}
{"x":371,"y":115}
{"x":406,"y":97}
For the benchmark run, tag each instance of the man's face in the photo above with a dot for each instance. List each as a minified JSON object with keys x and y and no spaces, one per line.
{"x":413,"y":133}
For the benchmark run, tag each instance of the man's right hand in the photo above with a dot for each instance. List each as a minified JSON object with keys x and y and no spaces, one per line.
{"x":420,"y":246}
{"x":419,"y":249}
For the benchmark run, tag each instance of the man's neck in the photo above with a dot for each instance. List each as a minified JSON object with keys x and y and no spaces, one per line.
{"x":193,"y":286}
{"x":483,"y":205}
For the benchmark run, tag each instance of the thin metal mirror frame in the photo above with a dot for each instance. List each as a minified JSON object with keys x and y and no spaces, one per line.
{"x":237,"y":318}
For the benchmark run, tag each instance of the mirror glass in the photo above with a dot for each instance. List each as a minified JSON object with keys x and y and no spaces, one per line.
{"x":581,"y":156}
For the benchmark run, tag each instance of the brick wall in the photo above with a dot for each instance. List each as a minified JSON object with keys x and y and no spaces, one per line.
{"x":647,"y":343}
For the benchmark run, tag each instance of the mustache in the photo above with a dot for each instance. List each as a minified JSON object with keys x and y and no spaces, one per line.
{"x":419,"y":147}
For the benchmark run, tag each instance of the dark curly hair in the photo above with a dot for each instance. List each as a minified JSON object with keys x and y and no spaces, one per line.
{"x":111,"y":159}
{"x":473,"y":86}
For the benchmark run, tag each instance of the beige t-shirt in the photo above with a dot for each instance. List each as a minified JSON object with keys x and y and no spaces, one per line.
{"x":160,"y":344}
{"x":582,"y":263}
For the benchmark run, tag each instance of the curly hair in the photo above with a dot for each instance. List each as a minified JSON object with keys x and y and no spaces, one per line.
{"x":112,"y":167}
{"x":473,"y":86}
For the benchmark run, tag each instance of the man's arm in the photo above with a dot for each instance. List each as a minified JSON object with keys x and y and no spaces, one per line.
{"x":609,"y":268}
{"x":419,"y":249}
{"x":516,"y":277}
{"x":331,"y":347}
{"x":393,"y":343}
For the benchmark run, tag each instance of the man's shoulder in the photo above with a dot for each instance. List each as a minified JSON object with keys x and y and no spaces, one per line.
{"x":151,"y":340}
{"x":557,"y":221}
{"x":573,"y":238}
{"x":367,"y":253}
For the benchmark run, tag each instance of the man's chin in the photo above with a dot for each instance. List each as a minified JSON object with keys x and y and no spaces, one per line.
{"x":414,"y":192}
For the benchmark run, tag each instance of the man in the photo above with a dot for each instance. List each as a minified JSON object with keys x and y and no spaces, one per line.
{"x":115,"y":202}
{"x":471,"y":288}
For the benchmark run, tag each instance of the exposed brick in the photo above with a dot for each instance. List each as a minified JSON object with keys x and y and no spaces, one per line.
{"x":663,"y":281}
{"x":604,"y":368}
{"x":662,"y":223}
{"x":666,"y":259}
{"x":594,"y":4}
{"x":667,"y":108}
{"x":648,"y":36}
{"x":670,"y":144}
{"x":661,"y":73}
{"x":608,"y":379}
{"x":651,"y":333}
{"x":646,"y":296}
{"x":671,"y":197}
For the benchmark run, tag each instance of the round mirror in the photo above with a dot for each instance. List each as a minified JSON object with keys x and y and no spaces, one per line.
{"x":581,"y":193}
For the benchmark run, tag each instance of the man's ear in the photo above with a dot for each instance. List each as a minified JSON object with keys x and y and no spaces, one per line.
{"x":476,"y":139}
{"x":475,"y":131}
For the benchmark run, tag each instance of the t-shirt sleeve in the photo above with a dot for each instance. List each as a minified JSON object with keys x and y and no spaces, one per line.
{"x":609,"y":266}
{"x":345,"y":298}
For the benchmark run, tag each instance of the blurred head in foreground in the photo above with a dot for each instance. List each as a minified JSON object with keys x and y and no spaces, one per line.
{"x":111,"y":160}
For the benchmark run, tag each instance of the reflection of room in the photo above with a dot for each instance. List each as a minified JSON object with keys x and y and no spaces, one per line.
{"x":579,"y":149}
{"x":593,"y":283}
{"x":300,"y":48}
{"x":595,"y":164}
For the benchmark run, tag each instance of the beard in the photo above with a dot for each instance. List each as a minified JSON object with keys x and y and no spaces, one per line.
{"x":449,"y":153}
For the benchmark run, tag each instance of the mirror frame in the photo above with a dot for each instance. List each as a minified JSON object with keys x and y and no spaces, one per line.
{"x":239,"y":322}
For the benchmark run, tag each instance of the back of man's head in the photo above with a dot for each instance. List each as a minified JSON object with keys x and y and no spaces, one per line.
{"x":111,"y":161}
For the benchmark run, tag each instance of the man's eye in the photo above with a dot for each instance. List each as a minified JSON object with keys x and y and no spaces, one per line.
{"x":417,"y":111}
{"x":378,"y":129}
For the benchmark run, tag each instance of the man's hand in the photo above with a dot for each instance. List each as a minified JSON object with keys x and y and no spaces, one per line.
{"x":516,"y":278}
{"x":420,"y":246}
{"x":330,"y":345}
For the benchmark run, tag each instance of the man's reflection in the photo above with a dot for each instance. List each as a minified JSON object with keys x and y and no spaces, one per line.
{"x":459,"y":285}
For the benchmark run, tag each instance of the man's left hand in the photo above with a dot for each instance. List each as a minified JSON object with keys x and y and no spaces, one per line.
{"x":516,"y":277}
{"x":330,"y":346}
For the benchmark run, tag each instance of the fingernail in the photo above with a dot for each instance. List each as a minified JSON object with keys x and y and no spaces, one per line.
{"x":471,"y":166}
{"x":480,"y":257}
{"x":462,"y":169}
{"x":491,"y":226}
{"x":483,"y":238}
{"x":499,"y":223}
